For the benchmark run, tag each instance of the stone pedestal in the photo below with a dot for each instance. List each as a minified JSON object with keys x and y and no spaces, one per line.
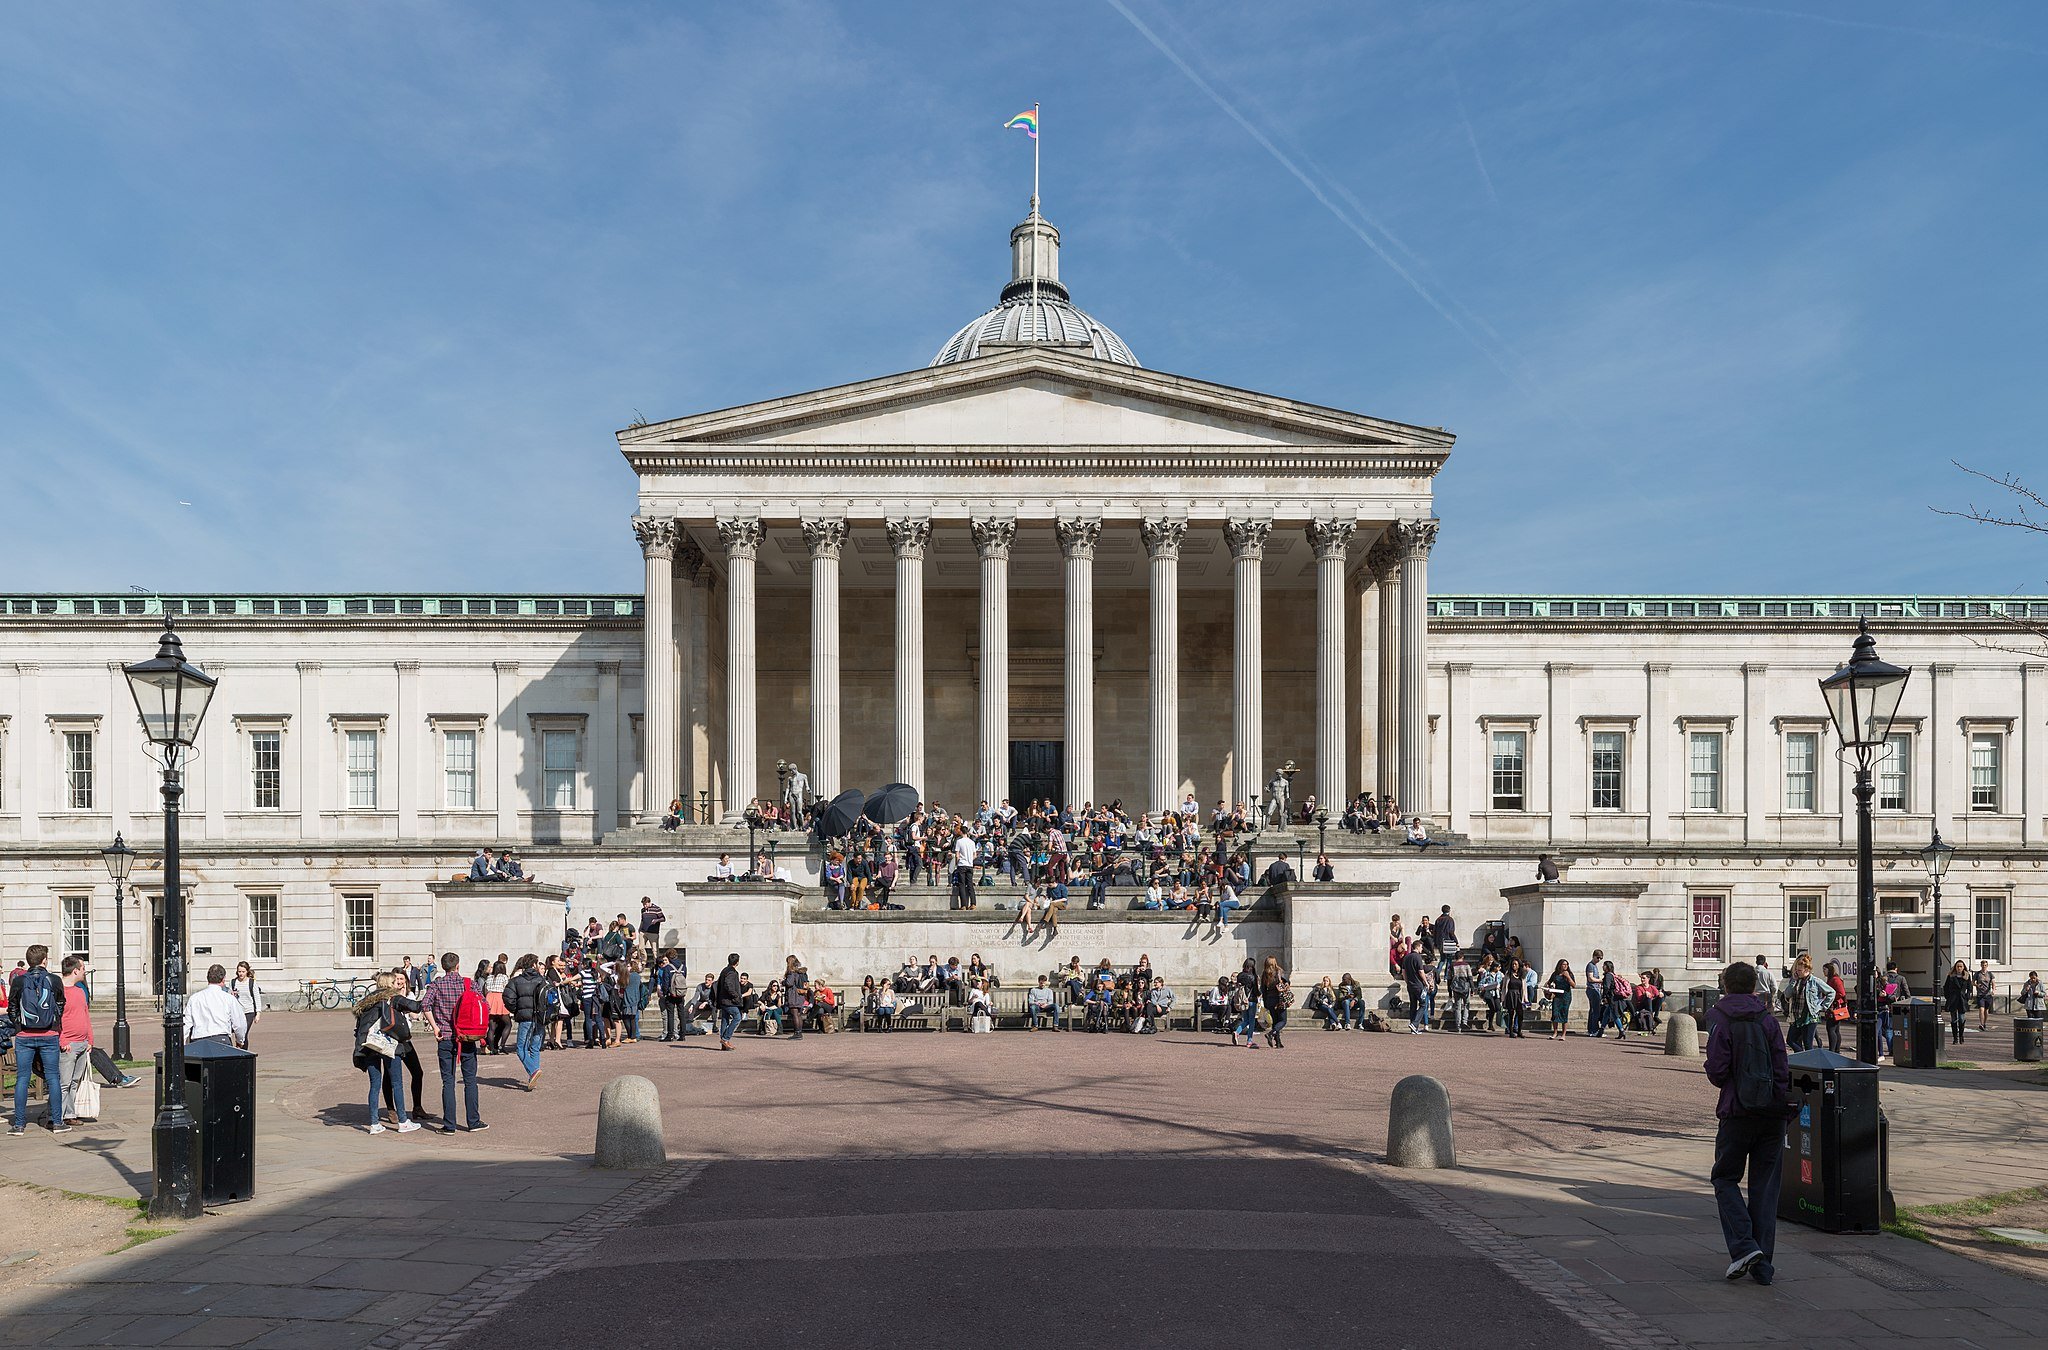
{"x":714,"y":918}
{"x":1569,"y":920}
{"x":478,"y":919}
{"x":1333,"y":926}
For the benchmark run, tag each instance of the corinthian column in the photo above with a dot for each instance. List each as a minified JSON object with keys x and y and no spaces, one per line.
{"x":825,"y":538}
{"x":1247,"y":540}
{"x":992,"y":539}
{"x":658,"y":537}
{"x":1077,"y":545}
{"x":693,"y":571}
{"x":1162,"y":544}
{"x":1385,"y":569}
{"x":1331,"y":541}
{"x":908,"y":538}
{"x":742,"y":539}
{"x":1414,"y":538}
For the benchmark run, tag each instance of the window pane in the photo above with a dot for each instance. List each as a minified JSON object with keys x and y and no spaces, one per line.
{"x":1802,"y":749}
{"x":1610,"y":750}
{"x":266,"y":770}
{"x":1704,"y":772}
{"x":362,"y":769}
{"x":458,"y":750}
{"x":78,"y":769}
{"x":1509,"y":762}
{"x":558,"y":777}
{"x":77,"y":939}
{"x":1895,"y":775}
{"x":1990,"y":941}
{"x":1798,"y":909}
{"x":263,"y":927}
{"x":360,"y":921}
{"x":1986,"y":749}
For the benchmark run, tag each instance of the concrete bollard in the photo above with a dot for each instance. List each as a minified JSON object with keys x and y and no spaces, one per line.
{"x":1681,"y":1035}
{"x":1419,"y":1124}
{"x":629,"y":1125}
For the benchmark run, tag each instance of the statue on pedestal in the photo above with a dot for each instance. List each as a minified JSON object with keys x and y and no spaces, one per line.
{"x":1277,"y":793}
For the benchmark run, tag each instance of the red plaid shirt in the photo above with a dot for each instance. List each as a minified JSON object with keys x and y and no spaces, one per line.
{"x":440,"y":1000}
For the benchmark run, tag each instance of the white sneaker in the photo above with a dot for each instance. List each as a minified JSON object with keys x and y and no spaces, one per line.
{"x":1739,"y":1267}
{"x":408,"y":1127}
{"x":377,"y":1127}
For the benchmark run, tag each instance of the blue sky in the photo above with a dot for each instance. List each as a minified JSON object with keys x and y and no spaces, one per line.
{"x":1711,"y":292}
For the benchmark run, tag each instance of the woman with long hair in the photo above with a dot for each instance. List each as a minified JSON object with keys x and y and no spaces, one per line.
{"x":491,"y":978}
{"x":1838,"y":1011}
{"x":1244,"y":1001}
{"x":249,"y":995}
{"x":384,"y":1010}
{"x":1560,"y":990}
{"x":1276,"y":994}
{"x":1512,"y":994}
{"x":1806,"y":996}
{"x":1955,"y":998}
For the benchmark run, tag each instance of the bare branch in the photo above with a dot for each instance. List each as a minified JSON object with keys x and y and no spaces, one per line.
{"x":2024,"y":517}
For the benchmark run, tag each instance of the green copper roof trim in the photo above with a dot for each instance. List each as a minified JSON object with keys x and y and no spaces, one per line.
{"x":441,"y":605}
{"x":1762,"y":607}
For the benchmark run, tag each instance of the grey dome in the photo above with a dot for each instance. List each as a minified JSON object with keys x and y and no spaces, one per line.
{"x":1034,"y":310}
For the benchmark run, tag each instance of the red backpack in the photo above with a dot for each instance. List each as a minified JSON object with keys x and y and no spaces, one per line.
{"x":472,"y":1019}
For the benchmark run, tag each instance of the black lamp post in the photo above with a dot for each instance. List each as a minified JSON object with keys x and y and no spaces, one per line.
{"x":1937,"y":855}
{"x":771,"y":857}
{"x":1863,"y":698}
{"x":171,"y":697}
{"x":120,"y":859}
{"x":1322,"y":832}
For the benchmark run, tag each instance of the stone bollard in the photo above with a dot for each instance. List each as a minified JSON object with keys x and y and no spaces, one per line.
{"x":629,"y":1125}
{"x":1681,"y":1035}
{"x":1419,"y":1124}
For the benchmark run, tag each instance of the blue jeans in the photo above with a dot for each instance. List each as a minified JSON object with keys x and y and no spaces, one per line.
{"x":1596,"y":1017}
{"x":728,"y":1024}
{"x":1247,"y":1024}
{"x":1041,"y":1015}
{"x":27,"y":1054}
{"x":453,"y":1058}
{"x":1757,"y":1144}
{"x":1350,"y":1013}
{"x":380,"y":1066}
{"x":1223,"y":909}
{"x":1418,"y":1007}
{"x":527,"y":1047}
{"x":1884,"y":1030}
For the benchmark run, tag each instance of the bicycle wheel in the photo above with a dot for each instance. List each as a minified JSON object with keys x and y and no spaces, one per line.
{"x":330,"y":997}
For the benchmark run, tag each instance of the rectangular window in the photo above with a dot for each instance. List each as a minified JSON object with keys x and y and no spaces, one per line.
{"x":78,"y":769}
{"x":1987,"y":750}
{"x":1707,"y":914}
{"x":1703,"y":771}
{"x":266,"y":770}
{"x":77,"y":925}
{"x":362,"y":769}
{"x":1510,"y":762}
{"x":263,"y":927}
{"x":1800,"y":906}
{"x":1802,"y":755}
{"x":1990,"y":939}
{"x":359,"y":926}
{"x":558,"y":761}
{"x":1895,"y":775}
{"x":1898,"y":904}
{"x":1610,"y":754}
{"x":458,"y":769}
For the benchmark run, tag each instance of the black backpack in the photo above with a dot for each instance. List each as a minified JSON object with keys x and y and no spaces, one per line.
{"x":36,"y":1010}
{"x":1756,"y":1085}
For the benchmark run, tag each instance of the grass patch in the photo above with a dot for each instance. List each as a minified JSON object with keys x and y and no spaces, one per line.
{"x":1904,"y":1226}
{"x":1978,"y":1206}
{"x":1958,"y":1064}
{"x":136,"y":1203}
{"x":138,"y":1236}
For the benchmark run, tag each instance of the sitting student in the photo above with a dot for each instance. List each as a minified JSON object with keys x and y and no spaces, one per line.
{"x":980,"y":1007}
{"x":673,"y":821}
{"x":1226,"y":901}
{"x":481,"y":868}
{"x":723,"y":871}
{"x":1123,"y":1007}
{"x":509,"y":868}
{"x":1154,"y":897}
{"x":885,"y":1007}
{"x":1160,"y":1004}
{"x":1041,"y":1006}
{"x":1418,"y":835}
{"x":1322,"y":1002}
{"x":1350,"y":1002}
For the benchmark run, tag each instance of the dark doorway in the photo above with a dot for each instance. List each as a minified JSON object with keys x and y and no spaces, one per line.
{"x":1037,"y":770}
{"x":156,"y":948}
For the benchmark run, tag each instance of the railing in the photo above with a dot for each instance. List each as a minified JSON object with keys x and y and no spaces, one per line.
{"x":1761,"y":608}
{"x":441,"y":606}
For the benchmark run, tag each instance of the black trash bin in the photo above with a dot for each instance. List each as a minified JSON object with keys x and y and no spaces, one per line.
{"x":1699,"y":1000}
{"x":1916,"y":1037}
{"x":1834,"y":1173}
{"x":220,"y":1093}
{"x":2026,"y":1039}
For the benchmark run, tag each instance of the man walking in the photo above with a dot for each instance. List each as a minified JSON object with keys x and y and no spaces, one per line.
{"x":651,"y":919}
{"x":728,"y":995}
{"x":672,"y":985}
{"x":213,"y":1014}
{"x":526,"y":998}
{"x":1746,"y":1060}
{"x":35,"y":1002}
{"x":460,"y":1021}
{"x":1415,"y":974}
{"x":1766,"y":983}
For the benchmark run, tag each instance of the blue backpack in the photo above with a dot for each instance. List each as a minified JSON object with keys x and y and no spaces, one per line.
{"x":37,"y":1010}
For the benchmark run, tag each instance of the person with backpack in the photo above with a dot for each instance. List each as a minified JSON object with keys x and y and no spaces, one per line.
{"x":1838,"y":1005}
{"x":526,"y":1002}
{"x":672,"y":986}
{"x":1746,"y":1060}
{"x":1244,"y":1005}
{"x":461,"y":1021}
{"x":1278,"y":995}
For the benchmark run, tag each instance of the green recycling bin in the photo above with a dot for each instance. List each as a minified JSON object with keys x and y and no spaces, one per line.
{"x":1833,"y":1176}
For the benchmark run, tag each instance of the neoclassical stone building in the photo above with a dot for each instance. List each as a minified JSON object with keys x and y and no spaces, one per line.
{"x":1033,"y":569}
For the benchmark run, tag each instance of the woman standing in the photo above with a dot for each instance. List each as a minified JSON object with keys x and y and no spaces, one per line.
{"x":2033,"y":998}
{"x":1985,"y":987}
{"x":636,"y":998}
{"x":1276,"y":994}
{"x":1560,"y":989}
{"x":1514,"y":990}
{"x":1805,"y":996}
{"x":491,"y":978}
{"x":1838,"y":1010}
{"x":249,"y":996}
{"x":1244,"y":1001}
{"x":384,"y":1010}
{"x":1955,"y":997}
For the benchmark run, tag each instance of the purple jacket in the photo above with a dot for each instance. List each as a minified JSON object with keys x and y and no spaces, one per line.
{"x":1721,"y":1050}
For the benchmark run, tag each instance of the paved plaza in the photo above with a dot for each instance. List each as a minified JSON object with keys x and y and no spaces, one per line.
{"x":859,"y":1190}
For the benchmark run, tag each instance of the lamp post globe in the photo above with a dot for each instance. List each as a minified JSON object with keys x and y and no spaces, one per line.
{"x":171,"y":696}
{"x":1863,"y":699}
{"x":120,"y":860}
{"x":1938,"y":854}
{"x":1322,"y":833}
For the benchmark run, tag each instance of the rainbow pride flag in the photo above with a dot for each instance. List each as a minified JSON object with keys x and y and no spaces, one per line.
{"x":1028,"y":120}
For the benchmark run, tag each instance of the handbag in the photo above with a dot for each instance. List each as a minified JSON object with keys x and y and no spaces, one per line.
{"x":85,"y":1100}
{"x":378,"y":1041}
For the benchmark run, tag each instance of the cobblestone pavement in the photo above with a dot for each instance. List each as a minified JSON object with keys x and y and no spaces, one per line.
{"x":988,"y":1177}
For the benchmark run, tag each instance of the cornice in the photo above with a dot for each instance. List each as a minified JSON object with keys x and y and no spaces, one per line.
{"x":973,"y":461}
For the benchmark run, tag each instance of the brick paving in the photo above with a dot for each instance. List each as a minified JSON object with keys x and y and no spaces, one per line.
{"x":1580,"y":1194}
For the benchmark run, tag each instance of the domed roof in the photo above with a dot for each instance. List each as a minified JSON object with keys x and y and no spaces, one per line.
{"x":1034,"y":309}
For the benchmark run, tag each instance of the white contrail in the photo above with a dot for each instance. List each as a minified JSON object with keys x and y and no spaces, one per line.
{"x":1458,"y":97}
{"x":1315,"y":190}
{"x":1868,"y":25}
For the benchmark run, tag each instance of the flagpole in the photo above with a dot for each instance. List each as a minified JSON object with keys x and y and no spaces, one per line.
{"x":1037,"y":129}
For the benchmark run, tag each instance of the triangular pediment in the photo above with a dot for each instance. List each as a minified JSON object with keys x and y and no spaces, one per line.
{"x":1033,"y":398}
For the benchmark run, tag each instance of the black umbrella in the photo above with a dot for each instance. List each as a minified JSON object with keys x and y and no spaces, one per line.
{"x":840,"y":814}
{"x":891,"y":803}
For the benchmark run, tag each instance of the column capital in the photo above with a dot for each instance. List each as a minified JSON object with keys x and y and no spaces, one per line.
{"x":1414,"y":538}
{"x":1382,"y":560}
{"x":690,"y":562}
{"x":908,"y":535}
{"x":1077,"y":536}
{"x":658,"y":535}
{"x":993,"y":535}
{"x":1162,"y":535}
{"x":1247,"y":538}
{"x":1330,"y":538}
{"x":825,"y":538}
{"x":742,"y":536}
